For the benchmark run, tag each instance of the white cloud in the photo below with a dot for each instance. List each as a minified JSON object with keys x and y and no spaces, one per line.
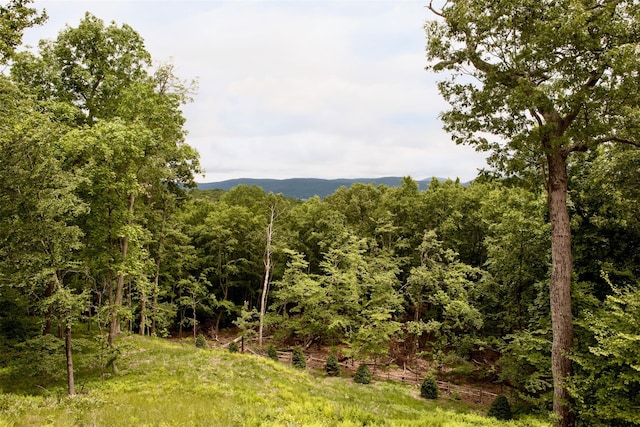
{"x":297,"y":89}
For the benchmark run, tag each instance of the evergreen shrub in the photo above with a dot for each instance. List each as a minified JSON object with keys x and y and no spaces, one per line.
{"x":500,"y":408}
{"x":363,"y":375}
{"x":272,"y":353}
{"x":298,"y":359}
{"x":332,"y":367}
{"x":201,"y":342}
{"x":233,"y":347}
{"x":429,"y":388}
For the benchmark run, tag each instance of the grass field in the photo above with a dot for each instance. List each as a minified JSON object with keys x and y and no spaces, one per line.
{"x":161,"y":383}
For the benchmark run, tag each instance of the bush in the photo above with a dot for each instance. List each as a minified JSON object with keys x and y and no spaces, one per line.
{"x":298,"y":359}
{"x":363,"y":375}
{"x":332,"y":367}
{"x":272,"y":353}
{"x":233,"y":347}
{"x":201,"y":342}
{"x":500,"y":408}
{"x":429,"y":388}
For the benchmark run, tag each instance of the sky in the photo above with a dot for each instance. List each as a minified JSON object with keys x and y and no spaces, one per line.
{"x":296,"y":88}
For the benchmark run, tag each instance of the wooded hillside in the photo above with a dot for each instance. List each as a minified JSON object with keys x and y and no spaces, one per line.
{"x":101,"y":230}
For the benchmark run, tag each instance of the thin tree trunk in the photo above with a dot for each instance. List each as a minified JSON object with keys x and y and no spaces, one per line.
{"x":143,"y":309}
{"x":560,"y":290}
{"x":114,"y":327}
{"x":267,"y":273}
{"x":194,"y":319}
{"x":129,"y":306}
{"x":68,"y":352}
{"x":156,"y":275}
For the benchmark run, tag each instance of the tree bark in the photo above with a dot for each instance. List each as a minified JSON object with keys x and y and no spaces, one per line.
{"x":560,"y":287}
{"x":68,"y":352}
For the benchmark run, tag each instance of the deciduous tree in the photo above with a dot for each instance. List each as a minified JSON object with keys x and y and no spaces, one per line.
{"x":532,"y":82}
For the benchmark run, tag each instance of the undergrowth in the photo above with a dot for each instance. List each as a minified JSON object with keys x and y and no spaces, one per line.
{"x":160,"y":383}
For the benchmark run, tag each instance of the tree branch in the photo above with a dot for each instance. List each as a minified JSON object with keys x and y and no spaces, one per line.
{"x":437,"y":12}
{"x":620,"y":140}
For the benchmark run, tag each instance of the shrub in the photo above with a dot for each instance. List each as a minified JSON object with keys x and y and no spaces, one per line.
{"x":429,"y":388}
{"x":272,"y":352}
{"x":201,"y":342}
{"x":363,"y":375}
{"x":298,"y":359}
{"x":332,"y":367}
{"x":500,"y":408}
{"x":233,"y":347}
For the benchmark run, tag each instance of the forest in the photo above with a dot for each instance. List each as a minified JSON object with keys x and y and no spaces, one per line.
{"x":103,"y":233}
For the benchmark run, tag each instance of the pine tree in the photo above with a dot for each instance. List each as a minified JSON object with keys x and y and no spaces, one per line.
{"x":299,"y":360}
{"x":363,"y":375}
{"x":201,"y":342}
{"x":500,"y":408}
{"x":272,"y":352}
{"x":332,"y":367}
{"x":429,"y":388}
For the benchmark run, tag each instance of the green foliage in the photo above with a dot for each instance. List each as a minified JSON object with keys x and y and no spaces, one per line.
{"x":606,"y":384}
{"x":298,"y":358}
{"x":363,"y":374}
{"x":233,"y":347}
{"x":41,"y":357}
{"x":15,"y":17}
{"x":526,"y":364}
{"x":201,"y":341}
{"x":446,"y":286}
{"x":429,"y":388}
{"x":500,"y":408}
{"x":332,"y":367}
{"x":272,"y":352}
{"x":247,"y":322}
{"x":518,"y":257}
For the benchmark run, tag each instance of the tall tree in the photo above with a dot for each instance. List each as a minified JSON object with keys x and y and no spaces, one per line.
{"x":38,"y":206}
{"x":533,"y":82}
{"x":277,"y":207}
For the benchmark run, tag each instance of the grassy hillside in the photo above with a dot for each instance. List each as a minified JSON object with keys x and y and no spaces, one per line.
{"x":168,"y":384}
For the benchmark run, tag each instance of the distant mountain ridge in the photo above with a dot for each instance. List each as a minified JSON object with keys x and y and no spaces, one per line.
{"x":305,"y":188}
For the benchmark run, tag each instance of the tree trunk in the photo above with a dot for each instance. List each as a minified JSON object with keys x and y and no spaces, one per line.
{"x":114,"y":327}
{"x":68,"y":352}
{"x":267,"y":273}
{"x":143,"y":311}
{"x":156,"y":275}
{"x":560,"y":289}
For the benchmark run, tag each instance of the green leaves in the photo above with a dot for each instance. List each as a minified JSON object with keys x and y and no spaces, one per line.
{"x":542,"y":70}
{"x":15,"y":17}
{"x":607,"y":382}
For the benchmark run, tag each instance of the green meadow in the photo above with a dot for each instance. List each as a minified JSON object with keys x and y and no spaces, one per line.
{"x":163,"y":383}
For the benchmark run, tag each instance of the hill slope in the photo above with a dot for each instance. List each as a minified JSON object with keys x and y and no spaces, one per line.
{"x":305,"y":188}
{"x":169,"y":384}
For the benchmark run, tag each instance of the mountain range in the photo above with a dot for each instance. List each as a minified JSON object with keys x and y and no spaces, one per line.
{"x":305,"y":188}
